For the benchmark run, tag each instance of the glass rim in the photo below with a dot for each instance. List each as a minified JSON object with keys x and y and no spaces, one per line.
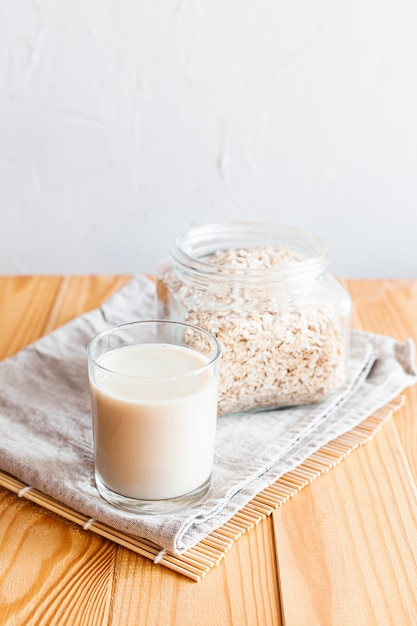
{"x":183,"y":251}
{"x":195,"y":372}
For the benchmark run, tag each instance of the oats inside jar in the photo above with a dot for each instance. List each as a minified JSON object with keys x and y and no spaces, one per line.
{"x":281,"y":344}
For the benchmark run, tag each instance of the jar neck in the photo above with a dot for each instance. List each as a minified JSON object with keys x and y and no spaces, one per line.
{"x":190,"y":251}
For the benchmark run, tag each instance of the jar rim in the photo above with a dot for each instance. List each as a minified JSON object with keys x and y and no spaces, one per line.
{"x":191,"y":248}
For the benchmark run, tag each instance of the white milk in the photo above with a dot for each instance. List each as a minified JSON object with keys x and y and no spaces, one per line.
{"x":154,"y":439}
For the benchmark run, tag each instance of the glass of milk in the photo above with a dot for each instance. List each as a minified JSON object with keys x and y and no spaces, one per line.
{"x":154,"y":387}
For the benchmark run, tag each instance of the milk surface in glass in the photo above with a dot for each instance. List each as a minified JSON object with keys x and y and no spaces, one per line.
{"x":154,"y":420}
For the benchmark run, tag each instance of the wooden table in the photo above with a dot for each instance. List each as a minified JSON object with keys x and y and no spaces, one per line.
{"x":343,"y":551}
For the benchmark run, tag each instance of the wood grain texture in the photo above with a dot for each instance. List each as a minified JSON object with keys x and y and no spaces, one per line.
{"x":78,"y":295}
{"x":348,"y":544}
{"x":53,"y":572}
{"x":343,"y":551}
{"x":30,"y":307}
{"x":25,"y":306}
{"x":46,"y":568}
{"x":242,"y":590}
{"x":357,"y":563}
{"x":390,"y":307}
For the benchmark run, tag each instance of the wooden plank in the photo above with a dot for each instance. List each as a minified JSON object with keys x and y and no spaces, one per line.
{"x":241,"y":591}
{"x":390,"y":307}
{"x":84,"y":578}
{"x":25,"y":306}
{"x":32,"y":306}
{"x":79,"y":294}
{"x":50,"y":571}
{"x":347,"y":546}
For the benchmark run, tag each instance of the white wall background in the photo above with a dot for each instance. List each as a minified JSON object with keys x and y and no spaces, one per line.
{"x":123,"y":122}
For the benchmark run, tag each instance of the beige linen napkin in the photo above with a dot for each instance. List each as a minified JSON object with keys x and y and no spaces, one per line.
{"x":46,"y":432}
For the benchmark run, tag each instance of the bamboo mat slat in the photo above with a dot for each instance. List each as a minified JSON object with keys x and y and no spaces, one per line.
{"x":196,"y":562}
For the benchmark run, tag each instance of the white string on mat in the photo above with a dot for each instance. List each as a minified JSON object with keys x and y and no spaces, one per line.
{"x":159,"y":556}
{"x":24,"y":490}
{"x":88,"y":523}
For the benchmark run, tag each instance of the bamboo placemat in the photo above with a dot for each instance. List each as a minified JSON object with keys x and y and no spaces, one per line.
{"x":196,"y":562}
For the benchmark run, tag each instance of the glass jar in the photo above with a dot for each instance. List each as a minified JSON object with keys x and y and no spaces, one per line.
{"x":266,"y":293}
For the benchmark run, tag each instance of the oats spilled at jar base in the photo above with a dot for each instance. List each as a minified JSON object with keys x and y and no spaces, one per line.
{"x":266,"y":293}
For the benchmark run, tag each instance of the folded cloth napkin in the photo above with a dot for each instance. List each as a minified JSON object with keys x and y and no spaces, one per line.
{"x":46,"y":431}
